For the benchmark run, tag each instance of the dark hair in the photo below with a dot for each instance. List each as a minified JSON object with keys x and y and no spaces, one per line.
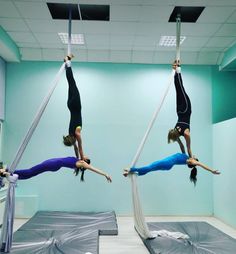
{"x":191,"y":165}
{"x":193,"y":175}
{"x":82,"y":169}
{"x":1,"y":164}
{"x":69,"y":140}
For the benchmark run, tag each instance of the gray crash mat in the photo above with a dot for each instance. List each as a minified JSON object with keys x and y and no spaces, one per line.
{"x":203,"y":239}
{"x":56,"y":242}
{"x":63,"y":233}
{"x":104,"y":222}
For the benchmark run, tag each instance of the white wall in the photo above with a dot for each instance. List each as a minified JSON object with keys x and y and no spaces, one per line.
{"x":224,"y":147}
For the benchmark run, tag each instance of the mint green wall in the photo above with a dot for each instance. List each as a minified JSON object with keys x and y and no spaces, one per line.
{"x":118,"y":102}
{"x":224,"y":148}
{"x":2,"y":88}
{"x":223,"y":95}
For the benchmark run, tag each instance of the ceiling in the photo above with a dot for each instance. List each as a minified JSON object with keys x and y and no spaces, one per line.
{"x":131,"y":35}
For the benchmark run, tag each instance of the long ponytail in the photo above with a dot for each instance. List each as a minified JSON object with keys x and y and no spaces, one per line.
{"x":193,"y":175}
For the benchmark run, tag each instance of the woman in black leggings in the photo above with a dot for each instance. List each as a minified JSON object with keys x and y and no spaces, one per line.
{"x":74,"y":105}
{"x":183,"y":108}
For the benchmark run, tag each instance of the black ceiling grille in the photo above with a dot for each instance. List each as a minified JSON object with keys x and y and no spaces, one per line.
{"x":187,"y":13}
{"x":88,"y":11}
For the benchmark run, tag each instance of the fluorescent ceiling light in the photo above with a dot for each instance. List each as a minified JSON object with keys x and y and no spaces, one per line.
{"x":170,"y":41}
{"x":75,"y":38}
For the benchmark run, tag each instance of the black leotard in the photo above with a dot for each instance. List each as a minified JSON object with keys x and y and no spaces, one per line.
{"x":73,"y":103}
{"x":183,"y":105}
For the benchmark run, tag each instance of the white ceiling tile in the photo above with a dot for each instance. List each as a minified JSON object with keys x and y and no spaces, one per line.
{"x":191,"y":49}
{"x":77,"y":26}
{"x":196,"y":42}
{"x":155,"y":13}
{"x":44,"y":26}
{"x":98,"y":56}
{"x":143,"y":48}
{"x":53,"y":54}
{"x":189,"y":57}
{"x":138,"y":27}
{"x":161,"y":57}
{"x":81,"y":55}
{"x":145,"y":41}
{"x":120,"y":56}
{"x":52,"y":45}
{"x":8,"y":9}
{"x":154,"y":29}
{"x":125,"y":13}
{"x":13,"y":24}
{"x":124,"y":2}
{"x":47,"y":38}
{"x":219,"y":3}
{"x":22,"y":37}
{"x":97,"y":39}
{"x":126,"y":28}
{"x":209,"y":58}
{"x":227,"y":30}
{"x":121,"y":42}
{"x":120,"y":47}
{"x":214,"y":49}
{"x":28,"y":45}
{"x":221,"y":42}
{"x":196,"y":29}
{"x":142,"y":56}
{"x":232,"y":18}
{"x":215,"y":14}
{"x":94,"y":27}
{"x":31,"y":54}
{"x":33,"y":9}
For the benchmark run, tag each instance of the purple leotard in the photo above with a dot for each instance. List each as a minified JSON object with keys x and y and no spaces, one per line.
{"x":48,"y":165}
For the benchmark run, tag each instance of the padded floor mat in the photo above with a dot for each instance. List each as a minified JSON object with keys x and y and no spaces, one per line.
{"x":49,"y":232}
{"x":204,"y":239}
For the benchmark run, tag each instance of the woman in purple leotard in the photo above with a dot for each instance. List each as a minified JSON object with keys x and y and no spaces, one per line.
{"x":53,"y":165}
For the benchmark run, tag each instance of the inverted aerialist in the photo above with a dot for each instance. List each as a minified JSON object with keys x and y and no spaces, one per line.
{"x":74,"y":137}
{"x":170,"y":161}
{"x":52,"y":165}
{"x":183,"y":108}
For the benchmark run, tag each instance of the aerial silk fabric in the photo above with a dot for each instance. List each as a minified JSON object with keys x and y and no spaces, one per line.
{"x":8,"y":218}
{"x":139,"y":219}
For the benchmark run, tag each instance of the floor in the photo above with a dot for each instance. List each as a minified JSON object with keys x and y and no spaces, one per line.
{"x":128,"y":242}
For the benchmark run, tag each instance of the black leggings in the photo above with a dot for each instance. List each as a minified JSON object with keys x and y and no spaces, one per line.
{"x":183,"y":104}
{"x":73,"y":103}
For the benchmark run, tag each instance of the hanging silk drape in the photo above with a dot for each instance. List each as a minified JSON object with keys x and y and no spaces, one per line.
{"x":9,"y":212}
{"x":8,"y":218}
{"x":139,"y":219}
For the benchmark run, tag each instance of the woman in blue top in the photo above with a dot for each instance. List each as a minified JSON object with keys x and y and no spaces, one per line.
{"x":53,"y":165}
{"x":168,"y":162}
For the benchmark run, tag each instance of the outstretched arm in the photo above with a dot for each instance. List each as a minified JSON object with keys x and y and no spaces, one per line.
{"x":198,"y":163}
{"x":85,"y":165}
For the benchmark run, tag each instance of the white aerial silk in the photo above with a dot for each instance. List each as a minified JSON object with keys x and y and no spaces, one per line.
{"x":139,"y":219}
